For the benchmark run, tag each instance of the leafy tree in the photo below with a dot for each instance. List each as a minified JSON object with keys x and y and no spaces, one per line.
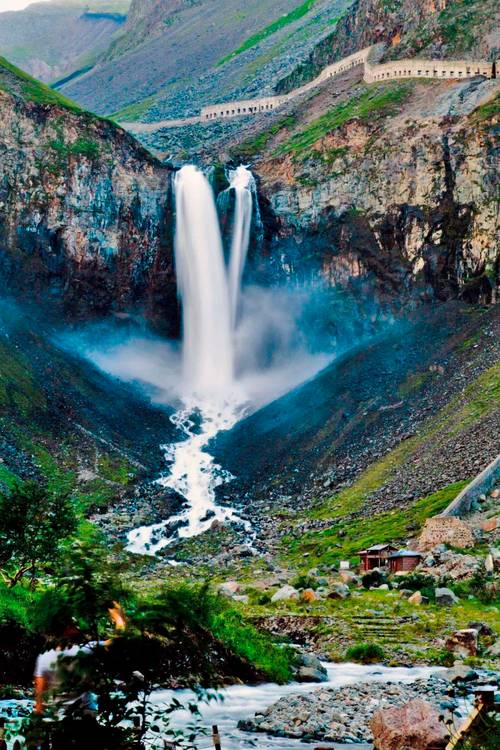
{"x":33,"y":524}
{"x":91,"y":581}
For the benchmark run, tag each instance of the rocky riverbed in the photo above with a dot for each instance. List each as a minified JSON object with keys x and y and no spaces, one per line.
{"x":342,"y":714}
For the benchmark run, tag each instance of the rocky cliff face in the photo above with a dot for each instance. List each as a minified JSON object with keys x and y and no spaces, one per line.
{"x":84,"y":211}
{"x":394,"y":185}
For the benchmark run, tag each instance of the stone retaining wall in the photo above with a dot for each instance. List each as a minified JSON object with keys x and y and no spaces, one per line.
{"x":414,"y":68}
{"x":427,"y":69}
{"x":268,"y":103}
{"x":480,"y":485}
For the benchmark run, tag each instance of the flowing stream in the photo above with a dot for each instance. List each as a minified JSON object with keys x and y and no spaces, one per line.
{"x":243,"y":701}
{"x":212,"y":399}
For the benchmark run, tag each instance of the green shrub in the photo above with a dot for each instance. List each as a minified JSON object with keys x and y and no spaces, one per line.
{"x":304,"y":581}
{"x":373,"y":578}
{"x":365,"y":653}
{"x":420,"y":582}
{"x":481,"y":586}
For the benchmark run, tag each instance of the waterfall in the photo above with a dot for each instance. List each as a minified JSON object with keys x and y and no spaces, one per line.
{"x":242,"y":182}
{"x":212,"y":401}
{"x":203,"y":286}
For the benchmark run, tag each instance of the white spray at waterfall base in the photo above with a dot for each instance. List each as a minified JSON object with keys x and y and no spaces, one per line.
{"x":212,"y":401}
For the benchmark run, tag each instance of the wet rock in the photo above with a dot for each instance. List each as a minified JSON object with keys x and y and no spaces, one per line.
{"x":311,"y":674}
{"x":415,"y":725}
{"x":459,"y":673}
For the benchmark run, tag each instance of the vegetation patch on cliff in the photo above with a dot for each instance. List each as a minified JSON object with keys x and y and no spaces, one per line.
{"x":381,"y":100}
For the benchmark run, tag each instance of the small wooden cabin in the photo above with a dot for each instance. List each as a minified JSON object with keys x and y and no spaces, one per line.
{"x":404,"y":560}
{"x":376,"y":556}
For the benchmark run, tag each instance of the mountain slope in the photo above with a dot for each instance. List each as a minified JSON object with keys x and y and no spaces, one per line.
{"x":386,"y":424}
{"x":64,"y":422}
{"x":173,"y":57}
{"x":51,"y":40}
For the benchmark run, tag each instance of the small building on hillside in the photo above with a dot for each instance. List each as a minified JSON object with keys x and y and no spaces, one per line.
{"x":376,"y":556}
{"x":404,"y":560}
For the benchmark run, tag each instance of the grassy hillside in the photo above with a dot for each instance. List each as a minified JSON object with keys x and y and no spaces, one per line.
{"x":272,"y":28}
{"x":15,"y":81}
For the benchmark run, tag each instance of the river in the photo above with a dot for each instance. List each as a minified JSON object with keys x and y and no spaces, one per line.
{"x":243,"y":701}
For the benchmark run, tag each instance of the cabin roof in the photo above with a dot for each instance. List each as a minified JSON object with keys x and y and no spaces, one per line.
{"x":377,"y":548}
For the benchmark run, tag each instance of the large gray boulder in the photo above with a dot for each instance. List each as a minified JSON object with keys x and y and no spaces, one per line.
{"x":445,"y":597}
{"x":311,"y":674}
{"x":285,"y":594}
{"x":339,"y":591}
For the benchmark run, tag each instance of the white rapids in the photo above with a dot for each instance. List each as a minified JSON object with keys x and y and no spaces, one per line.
{"x":243,"y":701}
{"x":212,"y":401}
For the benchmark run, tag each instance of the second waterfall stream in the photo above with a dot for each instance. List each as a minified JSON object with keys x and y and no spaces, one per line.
{"x":212,"y":400}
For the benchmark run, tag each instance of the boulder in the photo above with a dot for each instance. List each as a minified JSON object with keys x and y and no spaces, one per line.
{"x":463,"y":642}
{"x":494,"y":650}
{"x":445,"y":597}
{"x":308,"y":595}
{"x":348,"y":576}
{"x":339,"y":591}
{"x":483,"y":629}
{"x":311,"y":660}
{"x":489,"y":565}
{"x":416,"y":598}
{"x":229,"y":588}
{"x":459,"y":673}
{"x":383,"y":587}
{"x":311,"y":674}
{"x":415,"y":725}
{"x":284,"y":594}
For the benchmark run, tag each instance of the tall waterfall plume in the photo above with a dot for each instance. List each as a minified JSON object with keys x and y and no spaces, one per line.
{"x":243,"y":184}
{"x":208,"y":359}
